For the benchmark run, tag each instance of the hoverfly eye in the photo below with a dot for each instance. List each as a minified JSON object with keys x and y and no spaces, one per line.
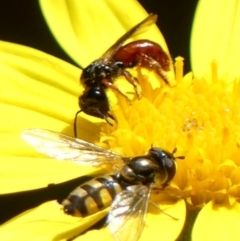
{"x":157,"y":152}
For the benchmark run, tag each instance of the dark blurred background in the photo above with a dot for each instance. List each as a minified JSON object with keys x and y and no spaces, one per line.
{"x":21,"y":22}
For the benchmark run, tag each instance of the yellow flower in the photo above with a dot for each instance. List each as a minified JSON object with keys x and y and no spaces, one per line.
{"x":215,"y":35}
{"x":41,"y":91}
{"x":199,"y":116}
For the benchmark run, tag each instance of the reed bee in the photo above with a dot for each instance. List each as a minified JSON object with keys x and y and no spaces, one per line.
{"x":127,"y":190}
{"x":101,"y":73}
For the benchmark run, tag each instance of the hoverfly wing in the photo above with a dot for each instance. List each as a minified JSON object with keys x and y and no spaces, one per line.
{"x":151,"y":19}
{"x":128,"y":211}
{"x":63,"y":147}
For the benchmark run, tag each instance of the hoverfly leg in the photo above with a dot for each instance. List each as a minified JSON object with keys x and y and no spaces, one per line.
{"x":133,"y":81}
{"x":158,"y":190}
{"x":109,"y":84}
{"x":162,"y":211}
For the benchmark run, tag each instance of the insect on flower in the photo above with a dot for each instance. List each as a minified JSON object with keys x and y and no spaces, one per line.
{"x":127,"y":190}
{"x":101,"y":73}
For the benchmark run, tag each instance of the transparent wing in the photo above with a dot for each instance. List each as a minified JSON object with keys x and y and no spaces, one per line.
{"x":62,"y":147}
{"x":128,"y":211}
{"x":151,"y":19}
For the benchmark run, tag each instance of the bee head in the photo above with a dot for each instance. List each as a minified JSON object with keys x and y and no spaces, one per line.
{"x":94,"y":102}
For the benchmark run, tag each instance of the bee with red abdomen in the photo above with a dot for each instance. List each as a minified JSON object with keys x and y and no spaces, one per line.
{"x":101,"y":73}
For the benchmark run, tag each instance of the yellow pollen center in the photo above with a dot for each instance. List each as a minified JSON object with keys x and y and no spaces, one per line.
{"x":198,"y":116}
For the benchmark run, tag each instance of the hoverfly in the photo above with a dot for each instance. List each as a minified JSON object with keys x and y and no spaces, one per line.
{"x":101,"y":73}
{"x":127,"y":190}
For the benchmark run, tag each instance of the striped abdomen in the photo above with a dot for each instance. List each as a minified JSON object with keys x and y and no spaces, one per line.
{"x":92,"y":196}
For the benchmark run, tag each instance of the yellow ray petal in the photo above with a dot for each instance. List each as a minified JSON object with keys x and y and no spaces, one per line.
{"x":215,"y":35}
{"x":158,"y":226}
{"x":55,"y":225}
{"x":86,"y":29}
{"x":41,"y":91}
{"x":47,"y":222}
{"x":100,"y":235}
{"x":217,"y":223}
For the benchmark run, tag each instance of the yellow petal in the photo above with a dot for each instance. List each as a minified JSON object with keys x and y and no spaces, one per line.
{"x":100,"y":235}
{"x":158,"y":225}
{"x":216,"y":222}
{"x":47,"y":222}
{"x":215,"y":35}
{"x":55,"y":225}
{"x":86,"y":29}
{"x":37,"y":91}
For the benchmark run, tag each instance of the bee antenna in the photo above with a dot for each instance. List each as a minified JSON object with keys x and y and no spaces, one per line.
{"x":75,"y":123}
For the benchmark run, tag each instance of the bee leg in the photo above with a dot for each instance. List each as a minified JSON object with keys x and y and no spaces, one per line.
{"x":150,"y":63}
{"x":109,"y":116}
{"x":133,"y":81}
{"x":106,"y":117}
{"x":110,"y":85}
